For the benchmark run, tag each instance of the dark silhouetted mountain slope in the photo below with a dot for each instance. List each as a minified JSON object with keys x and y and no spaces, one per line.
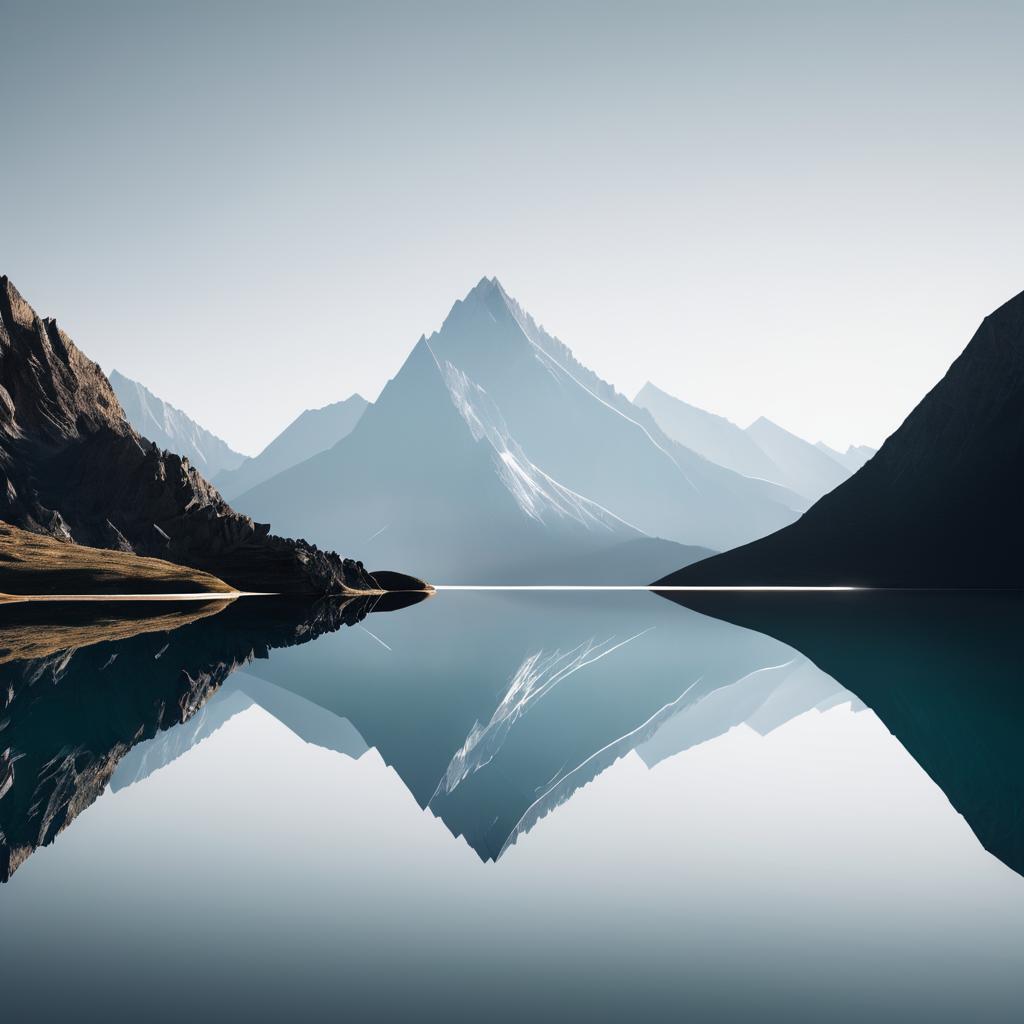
{"x":940,"y":505}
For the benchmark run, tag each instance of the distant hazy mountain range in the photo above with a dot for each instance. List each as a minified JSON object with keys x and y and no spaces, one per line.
{"x":314,"y":431}
{"x":171,"y":429}
{"x":764,"y":450}
{"x":940,"y":505}
{"x":494,"y":456}
{"x":853,"y":458}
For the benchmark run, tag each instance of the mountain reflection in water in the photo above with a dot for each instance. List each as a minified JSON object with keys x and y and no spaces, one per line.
{"x":82,"y":684}
{"x":495,"y":708}
{"x":727,"y":832}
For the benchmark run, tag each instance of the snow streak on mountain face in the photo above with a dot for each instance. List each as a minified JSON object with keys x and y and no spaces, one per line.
{"x":537,"y":494}
{"x":579,"y":431}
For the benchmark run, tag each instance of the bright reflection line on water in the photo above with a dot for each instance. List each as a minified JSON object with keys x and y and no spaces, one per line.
{"x":446,"y":586}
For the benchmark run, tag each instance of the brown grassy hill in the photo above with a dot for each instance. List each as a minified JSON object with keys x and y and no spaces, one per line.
{"x":34,"y":565}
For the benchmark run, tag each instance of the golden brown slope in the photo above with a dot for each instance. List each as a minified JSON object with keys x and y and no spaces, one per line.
{"x":34,"y":565}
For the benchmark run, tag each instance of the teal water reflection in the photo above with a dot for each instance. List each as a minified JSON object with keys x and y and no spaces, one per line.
{"x":495,"y":804}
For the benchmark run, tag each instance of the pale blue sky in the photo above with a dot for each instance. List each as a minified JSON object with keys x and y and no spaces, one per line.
{"x":794,"y":209}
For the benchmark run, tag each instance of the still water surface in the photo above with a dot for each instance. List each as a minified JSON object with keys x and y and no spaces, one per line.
{"x":595,"y":806}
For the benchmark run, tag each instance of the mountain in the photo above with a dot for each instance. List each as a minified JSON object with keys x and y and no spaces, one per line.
{"x":853,"y":458}
{"x":429,"y":477}
{"x":73,"y":468}
{"x":313,"y":432}
{"x":940,"y":505}
{"x":714,"y":437}
{"x":764,"y":450}
{"x":158,"y":421}
{"x":494,"y":456}
{"x":800,"y":465}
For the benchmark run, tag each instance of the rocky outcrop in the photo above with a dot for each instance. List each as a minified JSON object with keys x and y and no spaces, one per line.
{"x":67,"y":718}
{"x":73,"y":468}
{"x":939,"y":505}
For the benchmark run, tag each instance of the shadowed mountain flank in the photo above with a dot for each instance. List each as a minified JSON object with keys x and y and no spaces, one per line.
{"x":941,"y":670}
{"x":173,"y":430}
{"x":73,"y":468}
{"x":68,"y":716}
{"x":939,"y":505}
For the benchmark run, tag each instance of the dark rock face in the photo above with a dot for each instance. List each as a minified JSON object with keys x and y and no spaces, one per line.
{"x":940,"y":505}
{"x":67,"y":718}
{"x":73,"y":468}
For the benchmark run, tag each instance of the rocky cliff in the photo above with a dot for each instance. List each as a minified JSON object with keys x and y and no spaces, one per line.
{"x":73,"y":468}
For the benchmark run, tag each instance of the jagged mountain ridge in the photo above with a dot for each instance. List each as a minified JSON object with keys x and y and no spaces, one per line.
{"x":73,"y":468}
{"x":172,"y":429}
{"x":939,"y":505}
{"x":493,"y":455}
{"x":312,"y":432}
{"x":763,"y":450}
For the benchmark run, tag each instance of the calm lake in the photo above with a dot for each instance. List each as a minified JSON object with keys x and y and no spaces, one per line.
{"x":496,"y":806}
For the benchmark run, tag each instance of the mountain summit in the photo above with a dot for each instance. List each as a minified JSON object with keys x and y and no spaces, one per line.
{"x":495,"y":456}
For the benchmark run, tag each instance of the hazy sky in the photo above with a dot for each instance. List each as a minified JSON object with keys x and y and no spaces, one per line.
{"x":801,"y":210}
